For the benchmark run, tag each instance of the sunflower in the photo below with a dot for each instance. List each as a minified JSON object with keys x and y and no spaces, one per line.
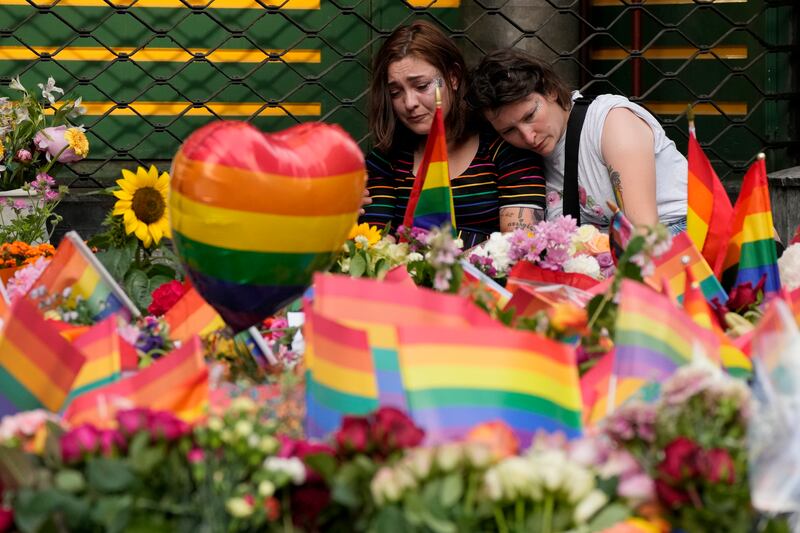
{"x":142,"y":202}
{"x":369,"y":235}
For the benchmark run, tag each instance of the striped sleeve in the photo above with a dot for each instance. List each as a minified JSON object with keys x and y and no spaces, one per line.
{"x":382,"y":190}
{"x":520,"y":175}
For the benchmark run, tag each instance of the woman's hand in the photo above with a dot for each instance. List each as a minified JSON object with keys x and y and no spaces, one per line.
{"x":365,"y":200}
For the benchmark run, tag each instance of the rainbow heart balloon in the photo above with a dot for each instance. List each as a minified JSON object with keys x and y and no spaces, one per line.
{"x":254,"y":215}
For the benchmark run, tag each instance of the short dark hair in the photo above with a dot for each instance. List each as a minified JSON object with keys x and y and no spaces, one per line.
{"x":508,"y":75}
{"x":424,"y":41}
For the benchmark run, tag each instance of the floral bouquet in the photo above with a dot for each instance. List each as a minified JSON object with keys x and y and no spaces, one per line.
{"x":31,"y":143}
{"x":558,"y":245}
{"x":31,"y":215}
{"x":19,"y":253}
{"x":692,"y":442}
{"x":371,"y":253}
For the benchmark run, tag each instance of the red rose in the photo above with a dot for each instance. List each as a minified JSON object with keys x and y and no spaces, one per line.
{"x":308,"y":501}
{"x":669,"y":495}
{"x":744,"y":295}
{"x":392,"y":429}
{"x":717,"y":465}
{"x":273,"y":509}
{"x":165,"y":296}
{"x":353,"y":437}
{"x":82,"y":440}
{"x":302,"y":448}
{"x":680,"y":459}
{"x":796,"y":238}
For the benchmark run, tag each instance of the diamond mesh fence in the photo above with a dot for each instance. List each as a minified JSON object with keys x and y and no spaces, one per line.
{"x":152,"y":71}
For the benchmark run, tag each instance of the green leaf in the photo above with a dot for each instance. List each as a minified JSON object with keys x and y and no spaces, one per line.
{"x":165,"y":271}
{"x":358,"y":265}
{"x":147,"y":458}
{"x":32,"y":509}
{"x":389,"y":519}
{"x":108,"y":475}
{"x":117,"y":261}
{"x":439,"y":525}
{"x":113,"y":512}
{"x":608,"y":516}
{"x":70,"y":481}
{"x":137,"y":285}
{"x":452,"y":489}
{"x":323,"y":464}
{"x":17,"y":468}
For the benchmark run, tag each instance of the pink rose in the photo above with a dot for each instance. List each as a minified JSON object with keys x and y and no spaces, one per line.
{"x":638,"y":487}
{"x":23,"y":156}
{"x":82,"y":440}
{"x":112,"y":441}
{"x":582,"y":195}
{"x":131,"y":421}
{"x":195,"y":456}
{"x":165,"y":425}
{"x":53,"y":141}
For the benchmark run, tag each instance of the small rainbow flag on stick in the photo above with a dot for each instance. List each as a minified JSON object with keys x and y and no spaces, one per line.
{"x":102,"y":347}
{"x":178,"y":382}
{"x":37,"y":365}
{"x":431,"y":202}
{"x":191,"y":315}
{"x":694,"y":303}
{"x":620,"y":232}
{"x":671,"y":268}
{"x":653,"y":338}
{"x":341,"y":378}
{"x":709,"y":209}
{"x":458,"y":377}
{"x":75,"y":267}
{"x":751,"y":251}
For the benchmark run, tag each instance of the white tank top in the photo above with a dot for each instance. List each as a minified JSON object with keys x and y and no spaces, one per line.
{"x":594,"y":183}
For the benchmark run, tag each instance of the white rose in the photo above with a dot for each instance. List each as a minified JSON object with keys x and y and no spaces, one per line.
{"x":493,"y":485}
{"x":413,"y":257}
{"x":239,"y":507}
{"x":448,"y":456}
{"x":578,"y":482}
{"x":398,"y":253}
{"x":383,"y":486}
{"x":478,"y":454}
{"x":583,"y":264}
{"x":550,"y":467}
{"x":789,"y":267}
{"x":292,"y":467}
{"x":589,"y":506}
{"x":420,"y":461}
{"x":585,"y":233}
{"x":266,"y":489}
{"x":243,"y":428}
{"x":518,"y":477}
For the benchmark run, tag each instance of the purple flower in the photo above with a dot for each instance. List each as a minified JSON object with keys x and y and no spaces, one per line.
{"x":53,"y":141}
{"x":19,"y":204}
{"x":82,"y":440}
{"x":51,"y":195}
{"x":23,"y":156}
{"x":605,"y":260}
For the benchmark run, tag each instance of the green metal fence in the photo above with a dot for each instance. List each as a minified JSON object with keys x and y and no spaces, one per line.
{"x":152,"y":71}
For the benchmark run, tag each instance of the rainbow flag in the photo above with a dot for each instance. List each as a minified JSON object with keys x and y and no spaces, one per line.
{"x":458,"y":377}
{"x":733,"y":359}
{"x":652,"y":340}
{"x":594,"y":389}
{"x":191,"y":315}
{"x":37,"y":365}
{"x":178,"y":382}
{"x":671,"y":269}
{"x":751,"y":251}
{"x":101,"y":346}
{"x":793,"y":300}
{"x":268,"y":212}
{"x":709,"y":209}
{"x":75,"y":267}
{"x":377,"y":308}
{"x":430,"y":204}
{"x":620,"y":231}
{"x":476,"y":281}
{"x":341,"y":376}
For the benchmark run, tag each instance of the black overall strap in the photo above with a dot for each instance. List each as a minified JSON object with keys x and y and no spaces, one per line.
{"x":571,"y":205}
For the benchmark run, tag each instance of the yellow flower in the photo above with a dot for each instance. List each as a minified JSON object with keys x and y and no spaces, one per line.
{"x":2,"y":150}
{"x":370,"y":235}
{"x":77,"y":141}
{"x":142,"y":202}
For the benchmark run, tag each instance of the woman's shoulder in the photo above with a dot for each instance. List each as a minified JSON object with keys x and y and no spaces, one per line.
{"x":496,"y":148}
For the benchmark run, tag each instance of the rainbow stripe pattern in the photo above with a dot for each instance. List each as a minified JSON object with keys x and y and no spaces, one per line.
{"x":653,"y":338}
{"x":430,"y":204}
{"x":37,"y":365}
{"x":254,"y":215}
{"x":459,"y":377}
{"x":101,"y":346}
{"x":751,"y":251}
{"x":671,"y":268}
{"x":341,"y":376}
{"x":619,"y":234}
{"x":74,"y":267}
{"x":709,"y":208}
{"x":733,"y":359}
{"x":377,"y":308}
{"x":191,"y":315}
{"x":178,"y":382}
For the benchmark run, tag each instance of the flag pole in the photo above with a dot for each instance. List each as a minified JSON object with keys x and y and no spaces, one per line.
{"x":259,"y":342}
{"x":115,"y":288}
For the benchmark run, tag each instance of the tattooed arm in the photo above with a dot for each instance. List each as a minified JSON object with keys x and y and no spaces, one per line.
{"x":628,"y":150}
{"x":520,"y":217}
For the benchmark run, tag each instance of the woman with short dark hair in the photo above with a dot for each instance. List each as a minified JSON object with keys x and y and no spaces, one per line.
{"x":495,"y":186}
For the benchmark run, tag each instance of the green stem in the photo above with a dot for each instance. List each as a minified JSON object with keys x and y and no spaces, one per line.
{"x":470,"y":496}
{"x":547,"y":515}
{"x":500,"y":520}
{"x":287,"y":514}
{"x":519,"y":514}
